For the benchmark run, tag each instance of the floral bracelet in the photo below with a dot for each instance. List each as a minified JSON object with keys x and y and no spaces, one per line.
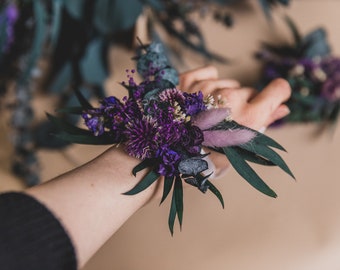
{"x":167,"y":129}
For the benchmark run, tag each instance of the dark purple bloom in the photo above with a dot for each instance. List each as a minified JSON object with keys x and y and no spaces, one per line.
{"x":169,"y":160}
{"x":331,"y":88}
{"x":142,"y":137}
{"x":94,"y":120}
{"x":194,"y":103}
{"x":9,"y":18}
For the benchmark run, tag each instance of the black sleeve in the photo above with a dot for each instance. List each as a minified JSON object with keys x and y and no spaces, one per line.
{"x":31,"y":238}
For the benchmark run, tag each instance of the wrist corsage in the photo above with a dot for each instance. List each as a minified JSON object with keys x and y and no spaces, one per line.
{"x":311,"y":70}
{"x":167,"y":129}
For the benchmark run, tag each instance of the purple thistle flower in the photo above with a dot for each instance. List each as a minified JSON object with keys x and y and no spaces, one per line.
{"x":142,"y":137}
{"x":224,"y":138}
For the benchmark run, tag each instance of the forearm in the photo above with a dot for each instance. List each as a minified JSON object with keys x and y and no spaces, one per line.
{"x":89,"y":200}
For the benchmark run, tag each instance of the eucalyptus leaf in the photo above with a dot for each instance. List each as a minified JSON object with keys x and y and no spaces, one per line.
{"x":40,"y":16}
{"x":75,"y":8}
{"x":62,"y":79}
{"x":192,"y":166}
{"x":92,"y":65}
{"x":115,"y":15}
{"x":57,"y":6}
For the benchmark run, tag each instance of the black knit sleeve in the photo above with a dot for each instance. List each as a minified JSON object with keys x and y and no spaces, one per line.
{"x":31,"y":238}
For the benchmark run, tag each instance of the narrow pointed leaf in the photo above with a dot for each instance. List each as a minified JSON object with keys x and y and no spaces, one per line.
{"x":67,"y":127}
{"x":268,"y":153}
{"x":172,"y":214}
{"x":82,"y":100}
{"x":168,"y":182}
{"x":178,"y":191}
{"x":71,"y":110}
{"x":141,"y":166}
{"x":216,"y":192}
{"x":254,"y":158}
{"x":243,"y":169}
{"x":147,"y":181}
{"x":86,"y":139}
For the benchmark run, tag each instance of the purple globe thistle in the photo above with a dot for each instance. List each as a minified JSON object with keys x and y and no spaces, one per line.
{"x":142,"y":137}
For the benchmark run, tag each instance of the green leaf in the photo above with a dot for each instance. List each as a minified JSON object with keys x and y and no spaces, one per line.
{"x":168,"y":182}
{"x":40,"y":17}
{"x":56,"y":20}
{"x":147,"y":181}
{"x":254,"y":158}
{"x":268,"y":153}
{"x":112,"y":16}
{"x":75,"y":8}
{"x":92,"y":65}
{"x":172,"y":214}
{"x":66,"y":127}
{"x":178,"y":192}
{"x":243,"y":169}
{"x":82,"y":100}
{"x":265,"y":140}
{"x":62,"y":78}
{"x":216,"y":192}
{"x":71,"y":110}
{"x":293,"y":28}
{"x":103,"y":139}
{"x":141,"y":166}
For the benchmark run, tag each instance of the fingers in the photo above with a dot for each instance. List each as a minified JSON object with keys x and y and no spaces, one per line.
{"x":188,"y":79}
{"x":212,"y":85}
{"x":235,"y":97}
{"x":271,"y":97}
{"x":280,"y":112}
{"x":266,"y":107}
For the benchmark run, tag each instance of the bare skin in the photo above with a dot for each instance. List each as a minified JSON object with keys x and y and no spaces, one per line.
{"x":89,"y":201}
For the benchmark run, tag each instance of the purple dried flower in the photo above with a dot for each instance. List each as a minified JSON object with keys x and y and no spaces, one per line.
{"x":194,"y":103}
{"x":9,"y":17}
{"x":331,"y":88}
{"x":94,"y":120}
{"x":142,"y":137}
{"x":224,"y":138}
{"x":210,"y":118}
{"x":169,"y":160}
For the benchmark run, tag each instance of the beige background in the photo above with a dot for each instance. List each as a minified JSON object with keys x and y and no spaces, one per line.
{"x":298,"y":230}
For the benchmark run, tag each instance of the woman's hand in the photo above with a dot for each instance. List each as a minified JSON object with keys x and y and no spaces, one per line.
{"x":256,"y":110}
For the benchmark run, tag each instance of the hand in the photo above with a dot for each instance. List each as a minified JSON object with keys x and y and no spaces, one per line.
{"x":256,"y":110}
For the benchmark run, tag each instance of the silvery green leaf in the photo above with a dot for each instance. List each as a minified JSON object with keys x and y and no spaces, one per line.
{"x":192,"y":166}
